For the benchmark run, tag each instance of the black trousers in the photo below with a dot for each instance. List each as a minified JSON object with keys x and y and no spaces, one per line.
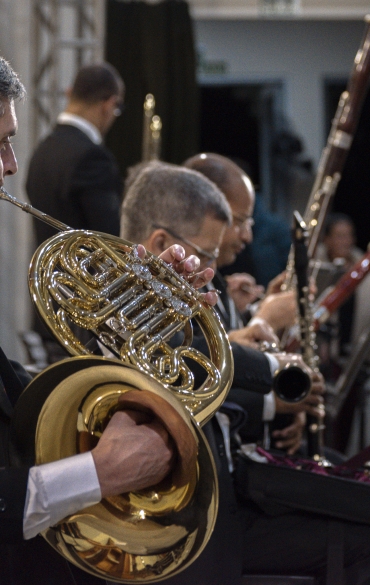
{"x":296,"y":543}
{"x":34,"y":562}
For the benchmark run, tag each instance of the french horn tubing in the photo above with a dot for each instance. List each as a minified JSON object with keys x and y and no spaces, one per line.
{"x":96,"y":282}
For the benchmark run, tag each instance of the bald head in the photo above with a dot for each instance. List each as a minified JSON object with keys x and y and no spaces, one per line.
{"x":238,"y":190}
{"x":227,"y":175}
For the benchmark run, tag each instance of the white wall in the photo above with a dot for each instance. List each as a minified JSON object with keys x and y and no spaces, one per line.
{"x":15,"y":226}
{"x":300,"y":53}
{"x":318,"y":9}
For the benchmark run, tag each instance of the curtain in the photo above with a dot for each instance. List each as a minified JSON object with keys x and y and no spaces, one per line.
{"x":152,"y":47}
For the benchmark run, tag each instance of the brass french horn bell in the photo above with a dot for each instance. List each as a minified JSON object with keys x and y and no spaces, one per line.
{"x":92,"y":281}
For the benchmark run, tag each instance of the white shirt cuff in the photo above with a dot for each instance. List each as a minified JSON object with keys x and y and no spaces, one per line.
{"x":252,"y":308}
{"x":56,"y":490}
{"x":269,"y":406}
{"x":257,"y":320}
{"x":273,"y":361}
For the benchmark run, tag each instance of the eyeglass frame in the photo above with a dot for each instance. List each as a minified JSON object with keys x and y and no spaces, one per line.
{"x":211,"y":256}
{"x":119,"y":108}
{"x":243,"y":221}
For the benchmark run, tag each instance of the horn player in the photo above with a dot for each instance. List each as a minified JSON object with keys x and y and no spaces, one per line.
{"x":134,"y":451}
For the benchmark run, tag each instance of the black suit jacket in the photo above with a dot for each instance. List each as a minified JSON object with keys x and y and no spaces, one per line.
{"x":75,"y":181}
{"x":78,"y":183}
{"x":13,"y":482}
{"x":31,"y":562}
{"x":247,"y":392}
{"x":252,"y":373}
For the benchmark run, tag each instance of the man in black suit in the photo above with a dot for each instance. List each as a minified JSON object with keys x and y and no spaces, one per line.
{"x":72,"y":176}
{"x":34,"y":498}
{"x":174,"y":210}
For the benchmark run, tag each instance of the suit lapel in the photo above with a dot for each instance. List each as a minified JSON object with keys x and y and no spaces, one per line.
{"x":10,"y":381}
{"x":225,"y":305}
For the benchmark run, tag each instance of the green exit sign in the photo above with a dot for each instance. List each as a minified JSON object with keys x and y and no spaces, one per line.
{"x":280,"y":7}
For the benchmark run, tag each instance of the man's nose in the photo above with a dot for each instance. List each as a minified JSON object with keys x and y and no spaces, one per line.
{"x":246,"y":234}
{"x":10,"y":164}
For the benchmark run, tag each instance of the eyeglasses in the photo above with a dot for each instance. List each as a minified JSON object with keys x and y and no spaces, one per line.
{"x":241,"y":222}
{"x":118,"y":110}
{"x":212,"y":256}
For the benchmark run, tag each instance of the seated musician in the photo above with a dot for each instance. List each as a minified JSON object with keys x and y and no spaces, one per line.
{"x":278,"y":308}
{"x":159,"y":190}
{"x":338,"y":248}
{"x":342,"y":340}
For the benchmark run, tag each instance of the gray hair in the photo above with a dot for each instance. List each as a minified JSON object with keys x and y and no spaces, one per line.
{"x":170,"y":196}
{"x":11,"y":87}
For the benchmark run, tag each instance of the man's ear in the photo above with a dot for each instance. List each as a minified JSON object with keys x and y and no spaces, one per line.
{"x":158,"y":242}
{"x":106,"y":105}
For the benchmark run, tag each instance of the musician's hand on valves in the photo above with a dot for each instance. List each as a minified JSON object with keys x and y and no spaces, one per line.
{"x":134,"y":452}
{"x":290,"y":438}
{"x":187,"y":267}
{"x":243,"y":289}
{"x":253,"y":335}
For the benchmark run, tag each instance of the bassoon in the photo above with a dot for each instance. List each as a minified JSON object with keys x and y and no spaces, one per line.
{"x":335,"y":152}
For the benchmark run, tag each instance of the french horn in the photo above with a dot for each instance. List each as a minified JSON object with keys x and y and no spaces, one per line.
{"x":89,"y":281}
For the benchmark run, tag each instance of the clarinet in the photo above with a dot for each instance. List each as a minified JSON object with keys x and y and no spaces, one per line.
{"x":335,"y":152}
{"x":315,"y":427}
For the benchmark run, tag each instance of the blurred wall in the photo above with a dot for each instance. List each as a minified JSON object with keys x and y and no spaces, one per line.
{"x":301,"y":54}
{"x":15,"y":226}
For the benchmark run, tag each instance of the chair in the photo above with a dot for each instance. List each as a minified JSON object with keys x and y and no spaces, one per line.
{"x":277,"y":580}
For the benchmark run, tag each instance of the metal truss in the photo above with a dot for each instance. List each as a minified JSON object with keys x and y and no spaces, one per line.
{"x":66,"y":35}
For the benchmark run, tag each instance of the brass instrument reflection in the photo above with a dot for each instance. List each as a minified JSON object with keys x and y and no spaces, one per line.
{"x":152,"y":127}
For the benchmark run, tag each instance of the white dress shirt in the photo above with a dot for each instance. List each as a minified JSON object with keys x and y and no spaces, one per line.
{"x":84,"y":125}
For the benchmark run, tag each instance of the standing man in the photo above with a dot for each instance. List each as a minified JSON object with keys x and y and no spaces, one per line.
{"x":72,"y":176}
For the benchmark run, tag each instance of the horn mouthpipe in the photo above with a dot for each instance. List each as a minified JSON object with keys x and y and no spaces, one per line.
{"x":33,"y":211}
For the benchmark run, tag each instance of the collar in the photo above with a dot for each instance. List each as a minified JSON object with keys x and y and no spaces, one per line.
{"x":82,"y":124}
